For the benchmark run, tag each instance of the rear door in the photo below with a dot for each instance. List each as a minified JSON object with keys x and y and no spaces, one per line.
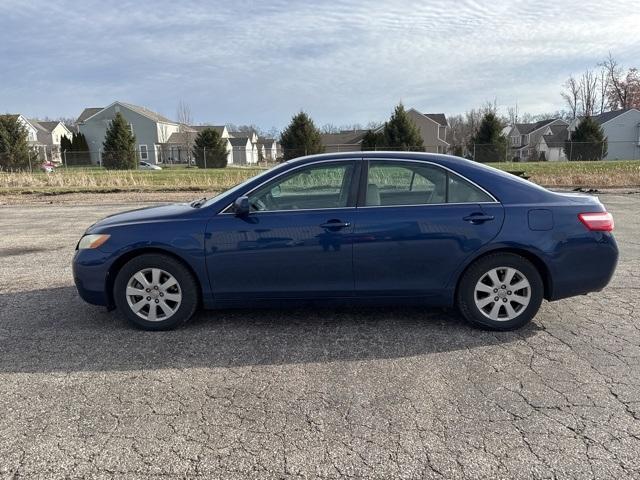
{"x":416,"y":223}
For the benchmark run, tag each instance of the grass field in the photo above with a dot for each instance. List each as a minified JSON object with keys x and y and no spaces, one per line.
{"x":609,"y":174}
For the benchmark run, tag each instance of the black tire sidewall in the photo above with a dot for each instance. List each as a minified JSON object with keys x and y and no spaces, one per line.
{"x":187,"y":282}
{"x":466,"y":291}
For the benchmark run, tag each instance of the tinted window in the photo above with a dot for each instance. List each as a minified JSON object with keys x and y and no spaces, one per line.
{"x":461,"y":191}
{"x":316,"y":186}
{"x":396,"y":183}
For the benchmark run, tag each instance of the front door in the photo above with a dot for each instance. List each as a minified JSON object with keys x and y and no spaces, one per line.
{"x":416,"y":225}
{"x":295,"y":243}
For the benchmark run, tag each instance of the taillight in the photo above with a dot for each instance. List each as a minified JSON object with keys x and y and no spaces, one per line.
{"x":597,"y":222}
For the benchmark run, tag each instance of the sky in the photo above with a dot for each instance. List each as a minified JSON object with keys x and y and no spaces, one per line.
{"x":343,"y":62}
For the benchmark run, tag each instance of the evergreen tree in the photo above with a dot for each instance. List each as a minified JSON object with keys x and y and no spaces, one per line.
{"x":401,"y":133}
{"x":65,"y":143}
{"x":373,"y":141}
{"x":587,"y":142}
{"x":15,"y":153}
{"x":119,"y":146}
{"x":488,"y":143}
{"x":79,"y":153}
{"x":210,"y":149}
{"x":301,"y":137}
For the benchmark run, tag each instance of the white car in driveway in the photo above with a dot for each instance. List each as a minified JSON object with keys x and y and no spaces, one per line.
{"x":148,"y":166}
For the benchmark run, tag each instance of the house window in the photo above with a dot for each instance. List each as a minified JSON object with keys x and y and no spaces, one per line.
{"x":144,"y":154}
{"x":515,"y":141}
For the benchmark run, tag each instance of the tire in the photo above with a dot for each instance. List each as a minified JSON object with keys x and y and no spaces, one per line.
{"x":168,"y":306}
{"x":482,"y":283}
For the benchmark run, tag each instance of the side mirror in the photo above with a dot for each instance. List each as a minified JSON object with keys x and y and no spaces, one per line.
{"x":241,"y":206}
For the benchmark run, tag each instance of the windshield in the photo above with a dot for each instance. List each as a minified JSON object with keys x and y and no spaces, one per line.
{"x":234,"y":189}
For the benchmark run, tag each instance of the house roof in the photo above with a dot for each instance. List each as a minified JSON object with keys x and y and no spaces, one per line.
{"x":46,"y":126}
{"x":145,"y":112}
{"x":239,"y":141}
{"x":525,"y":128}
{"x":439,"y":118}
{"x":88,"y":112}
{"x":608,"y":116}
{"x":217,"y":128}
{"x":266,"y":141}
{"x":345,"y":137}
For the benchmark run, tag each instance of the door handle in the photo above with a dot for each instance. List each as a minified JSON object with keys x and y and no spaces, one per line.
{"x":476,"y":218}
{"x":335,"y":224}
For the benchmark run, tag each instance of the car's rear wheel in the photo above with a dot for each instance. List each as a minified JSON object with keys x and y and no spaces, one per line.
{"x":156,"y":292}
{"x":502,"y":291}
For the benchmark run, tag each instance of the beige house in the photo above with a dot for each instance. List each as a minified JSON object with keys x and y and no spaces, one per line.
{"x":433,"y":128}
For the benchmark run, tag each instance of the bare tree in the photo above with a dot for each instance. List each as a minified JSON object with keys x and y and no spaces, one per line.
{"x":185,"y":120}
{"x":604,"y":85}
{"x":623,"y":87}
{"x":571,"y":95}
{"x":587,"y":92}
{"x":328,"y":128}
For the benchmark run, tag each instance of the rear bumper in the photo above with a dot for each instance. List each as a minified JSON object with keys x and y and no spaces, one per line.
{"x":586,"y":267}
{"x":90,"y":269}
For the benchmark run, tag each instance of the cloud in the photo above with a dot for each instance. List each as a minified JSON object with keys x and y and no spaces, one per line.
{"x":342,"y":61}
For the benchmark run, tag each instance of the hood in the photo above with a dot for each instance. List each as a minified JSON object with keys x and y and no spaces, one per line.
{"x":145,"y":215}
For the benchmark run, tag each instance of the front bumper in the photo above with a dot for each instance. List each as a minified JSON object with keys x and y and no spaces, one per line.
{"x":90,"y":274}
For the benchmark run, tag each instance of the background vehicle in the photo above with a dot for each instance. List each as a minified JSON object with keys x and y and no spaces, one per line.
{"x":148,"y":166}
{"x":48,"y":167}
{"x":366,"y":228}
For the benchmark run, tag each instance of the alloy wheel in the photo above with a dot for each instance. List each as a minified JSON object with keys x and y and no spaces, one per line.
{"x":153,"y":294}
{"x":502,"y":293}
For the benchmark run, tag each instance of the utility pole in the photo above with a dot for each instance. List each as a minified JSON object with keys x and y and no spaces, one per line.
{"x":204,"y":154}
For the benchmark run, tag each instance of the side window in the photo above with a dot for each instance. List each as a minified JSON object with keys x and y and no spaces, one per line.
{"x":316,"y":186}
{"x":461,"y":191}
{"x":397,"y":183}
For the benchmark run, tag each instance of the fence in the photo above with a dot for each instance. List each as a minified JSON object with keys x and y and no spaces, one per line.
{"x":45,"y":158}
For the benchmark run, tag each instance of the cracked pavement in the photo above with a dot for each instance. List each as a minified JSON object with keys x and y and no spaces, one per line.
{"x":309,"y":393}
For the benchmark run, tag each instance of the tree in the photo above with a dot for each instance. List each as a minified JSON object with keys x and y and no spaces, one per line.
{"x":185,"y":120}
{"x":572,"y":95}
{"x":79,"y":152}
{"x":65,"y":144}
{"x":373,"y":141}
{"x":401,"y":133}
{"x":488,"y":143}
{"x":301,"y":137}
{"x":210,"y":149}
{"x":119,"y":146}
{"x":624,"y":87}
{"x":587,"y":142}
{"x":15,"y":153}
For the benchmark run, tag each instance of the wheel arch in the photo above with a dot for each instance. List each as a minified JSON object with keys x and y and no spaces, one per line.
{"x":122,"y":260}
{"x":536,"y":260}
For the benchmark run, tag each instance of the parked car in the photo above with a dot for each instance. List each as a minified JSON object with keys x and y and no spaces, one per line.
{"x":48,"y":167}
{"x":148,"y":166}
{"x":366,"y":228}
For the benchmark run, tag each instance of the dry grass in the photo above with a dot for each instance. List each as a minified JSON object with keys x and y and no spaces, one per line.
{"x":604,"y":174}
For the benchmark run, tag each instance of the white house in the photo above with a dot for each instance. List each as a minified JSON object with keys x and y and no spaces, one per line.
{"x":179,"y":144}
{"x":243,"y":151}
{"x":550,"y":147}
{"x":269,"y":148}
{"x":50,"y":134}
{"x":622,"y":131}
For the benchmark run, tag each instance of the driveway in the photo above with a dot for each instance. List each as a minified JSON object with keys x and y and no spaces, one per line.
{"x":363,"y":393}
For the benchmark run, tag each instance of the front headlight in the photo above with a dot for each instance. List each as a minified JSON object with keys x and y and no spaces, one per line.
{"x":92,"y":241}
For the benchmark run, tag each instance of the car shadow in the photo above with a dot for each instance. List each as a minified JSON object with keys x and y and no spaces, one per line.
{"x":53,"y":330}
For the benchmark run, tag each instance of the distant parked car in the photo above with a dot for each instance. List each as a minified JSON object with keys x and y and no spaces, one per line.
{"x":358,"y":228}
{"x":48,"y":167}
{"x":148,"y":166}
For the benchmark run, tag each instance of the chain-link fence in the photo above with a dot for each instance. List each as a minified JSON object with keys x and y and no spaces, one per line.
{"x":50,"y":158}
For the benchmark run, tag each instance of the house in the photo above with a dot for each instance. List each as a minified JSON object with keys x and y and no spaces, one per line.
{"x":269,"y":149}
{"x":178,"y":147}
{"x":253,"y":139}
{"x":433,"y":128}
{"x":343,"y":141}
{"x":524,"y":138}
{"x":32,"y":131}
{"x":550,"y":147}
{"x":242,"y":151}
{"x":621,"y":129}
{"x":49,"y":135}
{"x":151,"y":129}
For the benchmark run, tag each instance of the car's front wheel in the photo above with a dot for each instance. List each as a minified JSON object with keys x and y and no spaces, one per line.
{"x":502,"y":291}
{"x":156,"y":292}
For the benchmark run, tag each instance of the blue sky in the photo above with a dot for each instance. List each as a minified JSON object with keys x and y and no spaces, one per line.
{"x":343,"y":62}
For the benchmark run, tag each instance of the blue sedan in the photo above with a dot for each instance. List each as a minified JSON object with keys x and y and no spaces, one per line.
{"x":357,"y":228}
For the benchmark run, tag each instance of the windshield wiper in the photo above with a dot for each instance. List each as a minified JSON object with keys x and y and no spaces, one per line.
{"x":198,"y":203}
